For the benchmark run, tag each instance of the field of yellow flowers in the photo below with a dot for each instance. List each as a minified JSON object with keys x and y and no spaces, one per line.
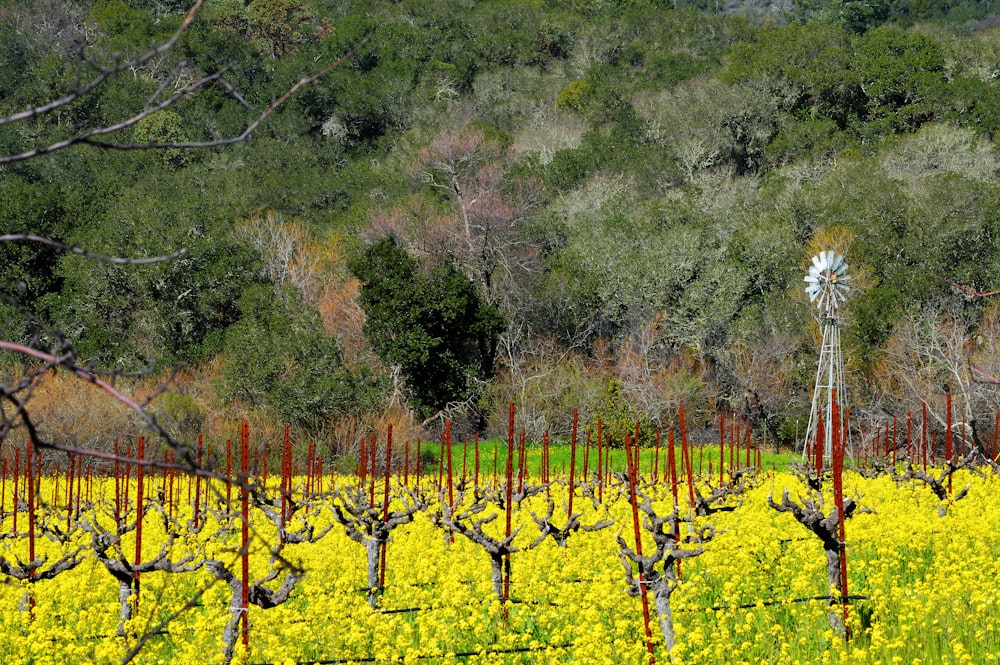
{"x":926,"y":583}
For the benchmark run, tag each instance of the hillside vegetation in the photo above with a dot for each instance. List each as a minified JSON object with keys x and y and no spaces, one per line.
{"x":592,"y":204}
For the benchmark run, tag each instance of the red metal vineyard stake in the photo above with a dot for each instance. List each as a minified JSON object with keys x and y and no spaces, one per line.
{"x":544,"y":470}
{"x":948,"y":449}
{"x":385,"y":501}
{"x":722,"y":447}
{"x":674,"y":490}
{"x":285,"y":486}
{"x":734,"y":436}
{"x":687,"y":457}
{"x":507,"y":507}
{"x":572,"y":462}
{"x":600,"y":463}
{"x":586,"y":457}
{"x":475,"y":482}
{"x":656,"y":459}
{"x":170,"y":486}
{"x":69,"y":490}
{"x":139,"y":474}
{"x":838,"y":492}
{"x":245,"y":535}
{"x":373,"y":449}
{"x":923,"y":436}
{"x":406,"y":463}
{"x":820,"y":444}
{"x":419,"y":463}
{"x":206,"y":495}
{"x":17,"y":476}
{"x":447,"y":442}
{"x":197,"y":484}
{"x":465,"y":459}
{"x":633,"y":477}
{"x":32,"y":469}
{"x":118,"y":499}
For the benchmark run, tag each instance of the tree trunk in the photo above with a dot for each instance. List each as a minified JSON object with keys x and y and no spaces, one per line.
{"x":661,"y":595}
{"x":834,"y":613}
{"x":496,"y":564}
{"x":125,"y":601}
{"x":232,"y":630}
{"x":372,"y":550}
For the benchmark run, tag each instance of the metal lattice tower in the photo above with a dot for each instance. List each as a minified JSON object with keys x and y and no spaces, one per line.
{"x":827,"y":287}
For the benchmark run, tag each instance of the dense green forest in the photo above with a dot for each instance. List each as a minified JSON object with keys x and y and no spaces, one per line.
{"x":607,"y":205}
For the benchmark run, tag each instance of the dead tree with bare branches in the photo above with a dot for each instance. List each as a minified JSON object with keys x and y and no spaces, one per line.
{"x":940,"y":486}
{"x":106,"y":547}
{"x":658,"y":571}
{"x":371,"y":525}
{"x":260,"y":593}
{"x":466,"y":522}
{"x":826,"y":527}
{"x":718,"y":500}
{"x":546,"y":528}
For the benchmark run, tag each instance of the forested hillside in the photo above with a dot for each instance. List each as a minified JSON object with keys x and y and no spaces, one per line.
{"x":593,"y":204}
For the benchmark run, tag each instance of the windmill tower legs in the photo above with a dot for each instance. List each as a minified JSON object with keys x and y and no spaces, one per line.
{"x":829,"y":382}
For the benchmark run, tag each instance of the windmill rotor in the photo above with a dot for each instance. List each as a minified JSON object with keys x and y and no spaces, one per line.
{"x":827,"y":281}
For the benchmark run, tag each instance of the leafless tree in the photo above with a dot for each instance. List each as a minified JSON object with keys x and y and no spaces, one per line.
{"x":931,"y":355}
{"x":546,"y":527}
{"x":940,"y":486}
{"x":260,"y":593}
{"x":718,"y":499}
{"x":41,"y":568}
{"x":106,"y":547}
{"x":466,"y":522}
{"x":371,"y":525}
{"x":825,"y":527}
{"x":657,"y":572}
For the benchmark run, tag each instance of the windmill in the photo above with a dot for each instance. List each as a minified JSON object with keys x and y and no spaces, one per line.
{"x":827,"y":287}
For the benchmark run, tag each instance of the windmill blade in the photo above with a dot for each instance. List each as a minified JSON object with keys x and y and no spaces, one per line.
{"x":813,"y":291}
{"x":818,"y":264}
{"x":842,"y":268}
{"x":843,"y":278}
{"x":830,"y":254}
{"x":811,"y":278}
{"x":835,"y":264}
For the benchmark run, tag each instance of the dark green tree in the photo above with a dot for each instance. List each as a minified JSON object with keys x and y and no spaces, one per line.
{"x":431,"y":324}
{"x":279,"y":357}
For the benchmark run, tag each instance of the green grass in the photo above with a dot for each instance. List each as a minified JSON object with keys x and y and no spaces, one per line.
{"x":702,"y":458}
